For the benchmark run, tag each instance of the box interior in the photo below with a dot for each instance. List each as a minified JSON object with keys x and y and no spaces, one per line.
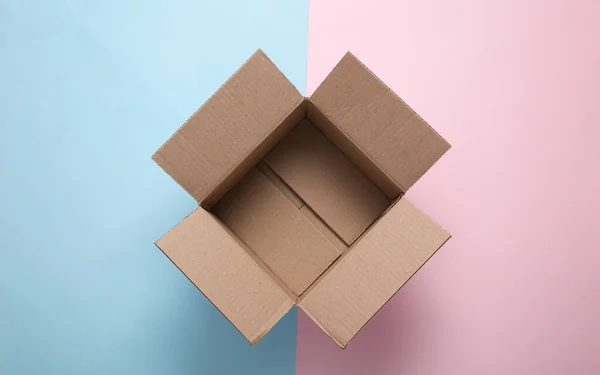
{"x":300,"y":198}
{"x":305,"y":202}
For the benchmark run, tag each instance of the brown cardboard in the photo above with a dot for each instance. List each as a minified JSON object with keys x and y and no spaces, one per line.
{"x":226,"y":274}
{"x":225,"y":132}
{"x":276,"y":231}
{"x":304,"y":209}
{"x":301,"y":198}
{"x":372,"y":271}
{"x":398,"y":140}
{"x":327,"y":181}
{"x":324,"y":228}
{"x":280,"y":184}
{"x":354,"y":153}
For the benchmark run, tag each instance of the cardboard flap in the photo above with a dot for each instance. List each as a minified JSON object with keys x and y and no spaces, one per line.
{"x":229,"y":126}
{"x":227,"y":274}
{"x":378,"y":122}
{"x":371,"y":272}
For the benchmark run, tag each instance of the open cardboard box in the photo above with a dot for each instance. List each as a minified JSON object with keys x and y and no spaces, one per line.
{"x":300,"y":199}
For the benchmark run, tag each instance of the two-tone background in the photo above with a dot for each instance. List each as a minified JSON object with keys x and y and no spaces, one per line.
{"x":90,"y":89}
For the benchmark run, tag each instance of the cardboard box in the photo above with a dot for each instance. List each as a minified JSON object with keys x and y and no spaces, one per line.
{"x":301,"y":199}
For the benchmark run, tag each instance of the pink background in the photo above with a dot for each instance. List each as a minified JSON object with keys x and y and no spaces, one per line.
{"x":515,"y":87}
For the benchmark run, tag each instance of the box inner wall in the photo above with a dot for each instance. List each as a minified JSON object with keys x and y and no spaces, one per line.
{"x":301,"y":206}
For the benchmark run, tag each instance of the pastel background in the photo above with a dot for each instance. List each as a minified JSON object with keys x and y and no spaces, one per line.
{"x":88,"y":90}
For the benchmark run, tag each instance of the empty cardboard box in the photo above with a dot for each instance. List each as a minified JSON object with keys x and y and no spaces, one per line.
{"x":301,"y":199}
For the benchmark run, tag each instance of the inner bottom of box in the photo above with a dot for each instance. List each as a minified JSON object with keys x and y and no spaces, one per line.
{"x":282,"y":225}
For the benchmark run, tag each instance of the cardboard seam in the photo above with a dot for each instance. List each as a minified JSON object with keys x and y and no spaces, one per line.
{"x":296,"y":297}
{"x":247,"y":250}
{"x":356,"y":146}
{"x":253,"y":256}
{"x":258,"y":143}
{"x":340,"y":259}
{"x":345,"y":253}
{"x":391,"y":203}
{"x":280,"y":184}
{"x":326,"y":226}
{"x":263,"y":164}
{"x":360,"y":171}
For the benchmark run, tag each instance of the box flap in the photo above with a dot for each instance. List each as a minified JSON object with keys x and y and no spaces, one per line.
{"x":228,"y":127}
{"x":355,"y":287}
{"x":327,"y":181}
{"x":377,"y":121}
{"x":227,"y":274}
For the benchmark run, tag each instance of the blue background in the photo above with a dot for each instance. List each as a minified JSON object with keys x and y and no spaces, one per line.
{"x":89,"y":90}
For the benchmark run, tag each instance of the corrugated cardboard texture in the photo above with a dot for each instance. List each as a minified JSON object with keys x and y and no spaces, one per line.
{"x":312,"y":222}
{"x":280,"y":184}
{"x":355,"y":287}
{"x":387,"y":130}
{"x":276,"y":231}
{"x":255,"y":156}
{"x":327,"y":181}
{"x":353,"y":152}
{"x":323,"y":228}
{"x":301,"y":205}
{"x":226,"y":274}
{"x":226,"y":130}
